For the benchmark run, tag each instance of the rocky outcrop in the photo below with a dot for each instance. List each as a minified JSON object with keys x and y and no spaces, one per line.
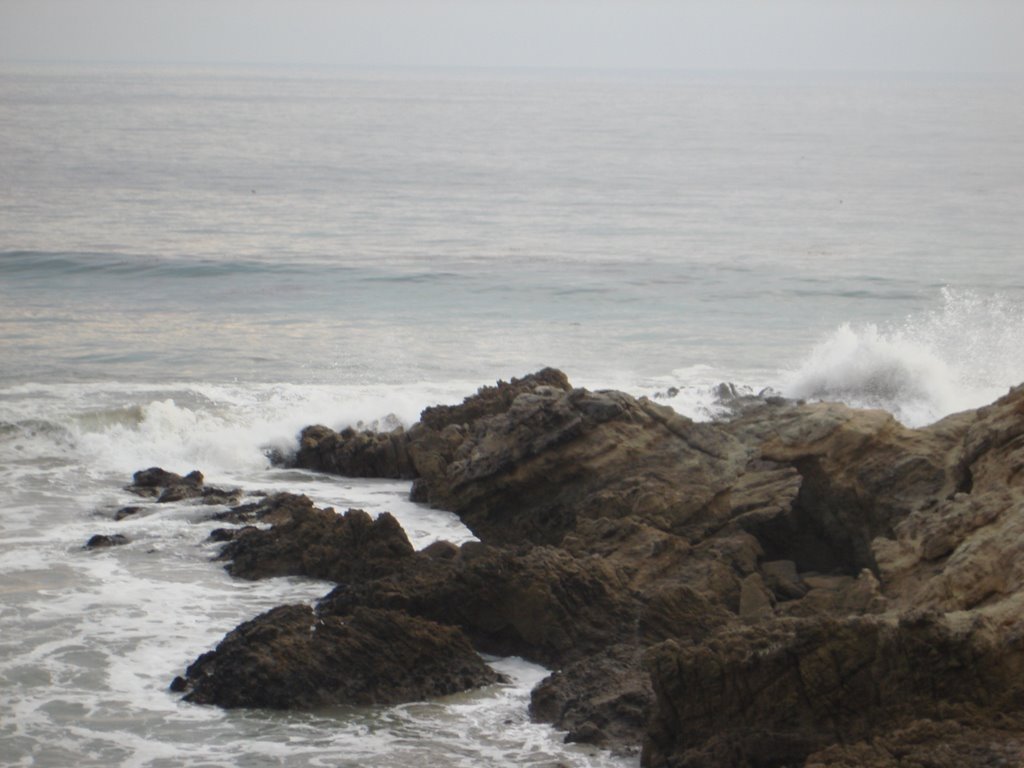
{"x":291,"y":658}
{"x":318,"y":543}
{"x":540,"y":603}
{"x":355,"y":454}
{"x":604,"y":699}
{"x":165,"y":487}
{"x":420,"y":452}
{"x":798,"y":583}
{"x":772,"y":695}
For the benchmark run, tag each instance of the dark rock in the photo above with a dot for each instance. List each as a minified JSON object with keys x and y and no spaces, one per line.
{"x":290,"y":657}
{"x":100,"y":541}
{"x":540,"y":603}
{"x":782,"y":579}
{"x":126,"y":512}
{"x":773,"y":693}
{"x":167,"y":487}
{"x":490,"y":401}
{"x":224,"y":534}
{"x":275,"y":508}
{"x":604,"y":699}
{"x":931,"y":743}
{"x":318,"y":543}
{"x":772,"y":568}
{"x":354,"y":454}
{"x":150,"y":482}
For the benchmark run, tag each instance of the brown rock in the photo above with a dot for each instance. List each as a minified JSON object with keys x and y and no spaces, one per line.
{"x":773,"y":693}
{"x":604,"y":699}
{"x":540,"y":603}
{"x":290,"y":658}
{"x":355,"y":454}
{"x":320,"y":544}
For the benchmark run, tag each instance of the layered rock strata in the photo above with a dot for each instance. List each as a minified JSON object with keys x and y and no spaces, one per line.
{"x":804,"y":583}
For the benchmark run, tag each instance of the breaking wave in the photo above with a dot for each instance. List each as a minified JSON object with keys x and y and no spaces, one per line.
{"x":962,"y":355}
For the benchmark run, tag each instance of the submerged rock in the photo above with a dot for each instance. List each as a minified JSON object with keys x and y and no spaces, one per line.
{"x":100,"y":541}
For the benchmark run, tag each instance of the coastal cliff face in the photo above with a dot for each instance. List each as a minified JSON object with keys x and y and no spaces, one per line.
{"x":800,"y":584}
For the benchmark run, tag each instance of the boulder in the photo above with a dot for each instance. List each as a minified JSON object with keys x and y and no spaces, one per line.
{"x":165,"y":487}
{"x":318,"y":543}
{"x":355,"y":453}
{"x":292,"y":658}
{"x":604,"y":699}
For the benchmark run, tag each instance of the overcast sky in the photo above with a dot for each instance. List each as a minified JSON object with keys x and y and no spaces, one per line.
{"x":887,"y":35}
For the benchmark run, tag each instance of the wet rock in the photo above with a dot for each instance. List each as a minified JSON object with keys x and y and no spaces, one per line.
{"x":556,"y":457}
{"x":126,"y":512}
{"x":274,"y":508}
{"x":100,"y":541}
{"x":318,"y":543}
{"x":355,"y":454}
{"x":153,"y":481}
{"x":604,"y":699}
{"x":290,"y":657}
{"x":167,"y":487}
{"x":540,"y":603}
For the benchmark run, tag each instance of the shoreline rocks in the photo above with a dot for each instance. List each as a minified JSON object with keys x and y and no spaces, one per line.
{"x":801,"y":583}
{"x":291,"y":658}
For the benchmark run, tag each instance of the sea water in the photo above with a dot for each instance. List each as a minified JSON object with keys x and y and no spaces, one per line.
{"x":195,"y":264}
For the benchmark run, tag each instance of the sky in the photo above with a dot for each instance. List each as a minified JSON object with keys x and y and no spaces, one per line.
{"x":773,"y":35}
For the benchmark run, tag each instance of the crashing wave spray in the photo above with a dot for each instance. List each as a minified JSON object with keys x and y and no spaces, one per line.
{"x":962,"y":355}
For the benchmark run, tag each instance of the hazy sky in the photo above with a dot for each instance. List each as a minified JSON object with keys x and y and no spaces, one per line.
{"x":914,"y":35}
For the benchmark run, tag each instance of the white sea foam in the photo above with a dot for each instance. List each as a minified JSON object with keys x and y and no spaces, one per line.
{"x":962,"y":355}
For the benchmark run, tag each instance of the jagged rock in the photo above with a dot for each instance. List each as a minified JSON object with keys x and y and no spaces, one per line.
{"x":152,"y":482}
{"x":275,"y":508}
{"x":289,"y":657}
{"x":773,"y":693}
{"x":490,"y":401}
{"x":861,"y":472}
{"x":318,"y":543}
{"x":774,"y":566}
{"x":555,"y":457}
{"x":355,"y":454}
{"x":931,"y":743}
{"x":604,"y":699}
{"x":166,"y":487}
{"x":540,"y":603}
{"x":402,"y":455}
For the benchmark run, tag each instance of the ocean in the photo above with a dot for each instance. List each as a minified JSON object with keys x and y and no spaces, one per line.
{"x":196,"y":263}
